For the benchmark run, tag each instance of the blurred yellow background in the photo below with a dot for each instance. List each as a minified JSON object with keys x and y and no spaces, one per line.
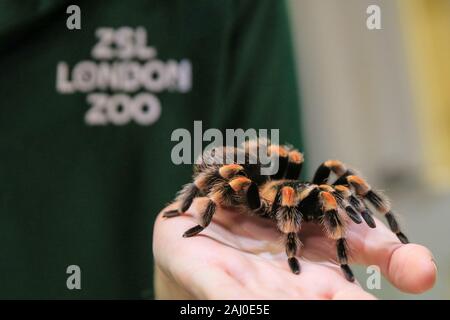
{"x":426,"y":25}
{"x":380,"y":100}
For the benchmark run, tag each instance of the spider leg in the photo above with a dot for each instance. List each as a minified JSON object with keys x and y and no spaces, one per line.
{"x":185,"y":197}
{"x":226,"y":174}
{"x":355,"y":202}
{"x":335,"y":227}
{"x":282,"y":154}
{"x":289,"y":221}
{"x":342,"y":249}
{"x":295,"y":163}
{"x":367,"y":215}
{"x":382,"y":205}
{"x":224,"y":193}
{"x":395,"y":228}
{"x":206,"y":217}
{"x":324,"y":170}
{"x":292,"y":245}
{"x":253,"y":198}
{"x":255,"y":202}
{"x":342,"y":195}
{"x":195,"y":189}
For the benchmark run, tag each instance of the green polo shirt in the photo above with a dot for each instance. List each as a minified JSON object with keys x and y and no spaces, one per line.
{"x":86,"y":117}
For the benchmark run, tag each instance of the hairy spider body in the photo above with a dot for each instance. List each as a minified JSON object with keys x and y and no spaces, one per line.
{"x":282,"y":197}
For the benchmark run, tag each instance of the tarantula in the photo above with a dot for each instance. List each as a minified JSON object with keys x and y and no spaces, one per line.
{"x":282,"y":197}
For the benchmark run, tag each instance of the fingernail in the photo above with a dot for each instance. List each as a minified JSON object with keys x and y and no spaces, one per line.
{"x":435,"y":264}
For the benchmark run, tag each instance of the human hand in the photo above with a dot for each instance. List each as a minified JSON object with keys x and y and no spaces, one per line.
{"x":243,"y":257}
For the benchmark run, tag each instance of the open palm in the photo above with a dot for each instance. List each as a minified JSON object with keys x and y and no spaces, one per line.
{"x":243,"y":257}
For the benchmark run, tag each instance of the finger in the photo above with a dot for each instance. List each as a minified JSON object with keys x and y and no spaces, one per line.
{"x":327,"y":279}
{"x":409,"y":267}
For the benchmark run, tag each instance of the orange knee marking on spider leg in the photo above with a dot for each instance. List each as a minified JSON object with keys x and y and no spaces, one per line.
{"x":229,"y":170}
{"x":337,"y":166}
{"x":296,"y":157}
{"x":240,"y":183}
{"x":344,"y":190}
{"x":332,"y":163}
{"x":359,"y":184}
{"x":287,"y":197}
{"x":217,"y":197}
{"x":329,"y":201}
{"x":356,"y":179}
{"x":268,"y":190}
{"x":326,"y":187}
{"x":282,"y":152}
{"x":200,"y":181}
